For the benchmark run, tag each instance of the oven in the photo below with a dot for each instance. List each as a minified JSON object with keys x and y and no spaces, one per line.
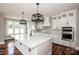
{"x":67,"y":33}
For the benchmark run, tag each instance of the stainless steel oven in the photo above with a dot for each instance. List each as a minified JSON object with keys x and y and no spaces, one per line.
{"x":67,"y":33}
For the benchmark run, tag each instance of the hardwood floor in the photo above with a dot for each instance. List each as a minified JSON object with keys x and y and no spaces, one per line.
{"x":17,"y":52}
{"x":56,"y":50}
{"x":63,"y":50}
{"x":4,"y":51}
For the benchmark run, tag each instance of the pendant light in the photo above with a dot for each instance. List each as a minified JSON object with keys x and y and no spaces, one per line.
{"x":38,"y":17}
{"x":22,"y":21}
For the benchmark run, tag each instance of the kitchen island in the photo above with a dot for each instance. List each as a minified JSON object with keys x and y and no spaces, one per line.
{"x":37,"y":44}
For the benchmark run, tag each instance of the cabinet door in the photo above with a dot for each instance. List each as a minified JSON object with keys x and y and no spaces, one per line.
{"x":54,"y":23}
{"x":46,"y":22}
{"x":59,"y":22}
{"x":72,"y":18}
{"x":64,"y":19}
{"x":45,"y":48}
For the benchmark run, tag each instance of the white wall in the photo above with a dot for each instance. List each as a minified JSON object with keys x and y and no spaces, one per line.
{"x":77,"y":31}
{"x":2,"y":26}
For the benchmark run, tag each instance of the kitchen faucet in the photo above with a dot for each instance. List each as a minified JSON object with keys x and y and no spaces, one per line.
{"x":32,"y":32}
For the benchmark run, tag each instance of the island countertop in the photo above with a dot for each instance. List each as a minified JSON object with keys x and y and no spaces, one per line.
{"x":34,"y":40}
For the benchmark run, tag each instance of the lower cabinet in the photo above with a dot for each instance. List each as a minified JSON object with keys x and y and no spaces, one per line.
{"x":20,"y":47}
{"x":42,"y":49}
{"x":45,"y":48}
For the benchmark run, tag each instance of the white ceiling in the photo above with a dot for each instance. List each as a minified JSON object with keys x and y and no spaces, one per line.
{"x":13,"y":10}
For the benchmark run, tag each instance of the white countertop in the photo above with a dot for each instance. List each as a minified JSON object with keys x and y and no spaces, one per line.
{"x":35,"y":40}
{"x":5,"y":36}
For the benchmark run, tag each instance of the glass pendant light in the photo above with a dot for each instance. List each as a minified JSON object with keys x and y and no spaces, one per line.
{"x":22,"y":21}
{"x":38,"y":17}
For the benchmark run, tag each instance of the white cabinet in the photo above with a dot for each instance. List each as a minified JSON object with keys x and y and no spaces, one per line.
{"x":59,"y":20}
{"x":45,"y":48}
{"x":72,"y":18}
{"x":69,"y":18}
{"x":64,"y":18}
{"x":54,"y":22}
{"x":42,"y":49}
{"x":47,"y":21}
{"x":21,"y":47}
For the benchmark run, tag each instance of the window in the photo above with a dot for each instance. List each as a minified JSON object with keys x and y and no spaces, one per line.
{"x":14,"y":28}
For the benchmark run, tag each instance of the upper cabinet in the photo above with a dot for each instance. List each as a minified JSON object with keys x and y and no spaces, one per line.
{"x":47,"y":21}
{"x":69,"y":18}
{"x":59,"y":21}
{"x":72,"y":18}
{"x":64,"y":19}
{"x":56,"y":22}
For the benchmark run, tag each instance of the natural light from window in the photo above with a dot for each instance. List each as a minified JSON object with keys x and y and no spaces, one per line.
{"x":15,"y":29}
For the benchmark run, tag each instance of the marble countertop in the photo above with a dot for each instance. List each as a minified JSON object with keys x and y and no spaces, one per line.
{"x":34,"y":40}
{"x":5,"y":37}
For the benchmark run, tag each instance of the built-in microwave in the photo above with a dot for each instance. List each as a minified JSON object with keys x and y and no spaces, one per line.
{"x":67,"y":33}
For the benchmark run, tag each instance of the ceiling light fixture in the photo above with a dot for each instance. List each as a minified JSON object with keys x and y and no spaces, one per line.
{"x":37,"y":17}
{"x":22,"y":21}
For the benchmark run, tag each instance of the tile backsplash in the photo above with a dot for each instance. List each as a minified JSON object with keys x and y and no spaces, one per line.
{"x":47,"y":29}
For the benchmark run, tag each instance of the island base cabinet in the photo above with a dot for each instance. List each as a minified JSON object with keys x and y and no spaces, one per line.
{"x":22,"y":48}
{"x":43,"y":49}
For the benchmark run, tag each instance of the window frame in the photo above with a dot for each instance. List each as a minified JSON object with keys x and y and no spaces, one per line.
{"x":15,"y":20}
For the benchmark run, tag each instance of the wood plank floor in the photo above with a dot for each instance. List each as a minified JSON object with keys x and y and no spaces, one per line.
{"x":63,"y":50}
{"x":4,"y":50}
{"x":56,"y":50}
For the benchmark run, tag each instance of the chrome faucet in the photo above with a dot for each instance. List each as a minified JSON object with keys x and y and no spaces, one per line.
{"x":31,"y":33}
